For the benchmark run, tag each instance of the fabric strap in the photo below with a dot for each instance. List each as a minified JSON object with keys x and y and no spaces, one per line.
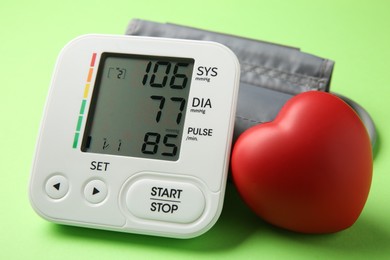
{"x":270,"y":73}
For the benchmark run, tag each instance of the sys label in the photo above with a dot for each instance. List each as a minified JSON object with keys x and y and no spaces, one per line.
{"x":205,"y":73}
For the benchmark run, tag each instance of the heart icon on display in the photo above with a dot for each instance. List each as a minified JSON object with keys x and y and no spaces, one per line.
{"x":310,"y":169}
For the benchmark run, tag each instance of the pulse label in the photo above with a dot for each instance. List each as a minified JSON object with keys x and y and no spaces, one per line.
{"x":200,"y":131}
{"x":194,"y":133}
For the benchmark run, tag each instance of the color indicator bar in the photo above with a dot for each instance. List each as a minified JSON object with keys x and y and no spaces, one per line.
{"x":93,"y":59}
{"x":84,"y":101}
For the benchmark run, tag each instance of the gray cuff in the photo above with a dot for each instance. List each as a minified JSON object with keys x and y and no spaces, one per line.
{"x":270,"y":73}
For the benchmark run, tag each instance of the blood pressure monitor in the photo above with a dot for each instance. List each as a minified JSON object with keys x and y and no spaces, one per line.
{"x":136,"y":135}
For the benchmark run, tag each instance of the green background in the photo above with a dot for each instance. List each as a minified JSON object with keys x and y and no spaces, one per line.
{"x":353,"y":33}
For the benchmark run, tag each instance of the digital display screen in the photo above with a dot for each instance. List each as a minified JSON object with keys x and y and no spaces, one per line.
{"x":138,"y":106}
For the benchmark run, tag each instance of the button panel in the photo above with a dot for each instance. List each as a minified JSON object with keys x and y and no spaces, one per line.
{"x":57,"y":187}
{"x":170,"y":201}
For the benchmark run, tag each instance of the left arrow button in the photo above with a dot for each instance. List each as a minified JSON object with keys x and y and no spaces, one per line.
{"x":57,"y":187}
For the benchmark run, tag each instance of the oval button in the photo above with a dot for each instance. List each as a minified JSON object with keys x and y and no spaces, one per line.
{"x":170,"y":201}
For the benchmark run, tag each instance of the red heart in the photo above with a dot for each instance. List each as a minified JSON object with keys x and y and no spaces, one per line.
{"x":310,"y":169}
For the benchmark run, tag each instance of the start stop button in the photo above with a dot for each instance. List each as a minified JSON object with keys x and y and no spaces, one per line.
{"x":170,"y":201}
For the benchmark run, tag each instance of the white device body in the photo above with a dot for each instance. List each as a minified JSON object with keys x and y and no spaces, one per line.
{"x":181,"y":198}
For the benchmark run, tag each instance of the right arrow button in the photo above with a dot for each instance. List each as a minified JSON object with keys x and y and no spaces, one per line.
{"x":95,"y":191}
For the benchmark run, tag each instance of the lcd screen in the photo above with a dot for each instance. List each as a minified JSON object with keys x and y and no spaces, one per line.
{"x":138,"y":106}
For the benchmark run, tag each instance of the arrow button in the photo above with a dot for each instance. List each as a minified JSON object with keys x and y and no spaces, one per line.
{"x":57,"y":187}
{"x":95,"y":191}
